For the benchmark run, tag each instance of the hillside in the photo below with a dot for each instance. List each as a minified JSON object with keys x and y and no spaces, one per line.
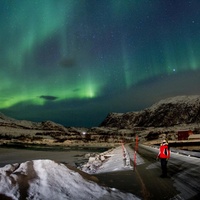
{"x":166,"y":113}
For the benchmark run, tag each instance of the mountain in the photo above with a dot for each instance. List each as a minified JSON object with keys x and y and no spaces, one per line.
{"x":13,"y":131}
{"x":168,"y":112}
{"x":24,"y":124}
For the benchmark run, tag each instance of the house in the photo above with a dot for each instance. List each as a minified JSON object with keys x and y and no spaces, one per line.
{"x":184,"y":134}
{"x":194,"y":137}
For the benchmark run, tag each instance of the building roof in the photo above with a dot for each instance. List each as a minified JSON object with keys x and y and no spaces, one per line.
{"x":194,"y":136}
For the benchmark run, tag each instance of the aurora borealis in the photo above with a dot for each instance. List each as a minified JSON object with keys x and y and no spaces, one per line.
{"x":74,"y":61}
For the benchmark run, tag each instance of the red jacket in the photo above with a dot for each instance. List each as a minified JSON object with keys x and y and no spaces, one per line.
{"x":164,"y":151}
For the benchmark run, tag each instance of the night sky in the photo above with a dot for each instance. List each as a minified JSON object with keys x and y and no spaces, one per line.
{"x":75,"y":61}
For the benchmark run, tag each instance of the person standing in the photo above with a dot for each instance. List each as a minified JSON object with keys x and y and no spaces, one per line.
{"x":164,"y":155}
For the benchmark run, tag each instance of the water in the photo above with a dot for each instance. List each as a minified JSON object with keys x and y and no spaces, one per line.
{"x":68,"y":156}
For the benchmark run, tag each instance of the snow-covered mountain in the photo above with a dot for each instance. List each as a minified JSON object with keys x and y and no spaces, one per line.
{"x":46,"y":179}
{"x":165,"y":113}
{"x":47,"y":125}
{"x":22,"y":130}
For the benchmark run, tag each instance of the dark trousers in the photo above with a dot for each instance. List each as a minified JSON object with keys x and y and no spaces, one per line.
{"x":163,"y":162}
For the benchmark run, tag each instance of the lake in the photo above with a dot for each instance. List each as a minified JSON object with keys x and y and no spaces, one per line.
{"x":68,"y":156}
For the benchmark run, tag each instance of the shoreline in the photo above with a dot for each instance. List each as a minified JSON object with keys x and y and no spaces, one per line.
{"x":43,"y":147}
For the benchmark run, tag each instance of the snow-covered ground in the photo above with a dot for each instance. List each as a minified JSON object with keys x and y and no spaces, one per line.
{"x":46,"y":179}
{"x":114,"y":160}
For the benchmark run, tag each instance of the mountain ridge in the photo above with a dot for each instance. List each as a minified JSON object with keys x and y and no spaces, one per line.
{"x":168,"y":112}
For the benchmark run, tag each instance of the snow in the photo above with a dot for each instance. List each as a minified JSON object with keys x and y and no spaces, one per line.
{"x":193,"y":100}
{"x":46,"y":179}
{"x":117,"y":160}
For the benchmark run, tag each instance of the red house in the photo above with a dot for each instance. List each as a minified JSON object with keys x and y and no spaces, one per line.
{"x":184,"y":134}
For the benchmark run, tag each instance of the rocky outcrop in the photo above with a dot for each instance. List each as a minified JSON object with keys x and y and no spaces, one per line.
{"x":166,"y":113}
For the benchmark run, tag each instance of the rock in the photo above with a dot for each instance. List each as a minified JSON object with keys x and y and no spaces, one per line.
{"x":87,"y":155}
{"x":102,"y":158}
{"x":91,"y":159}
{"x":97,"y":163}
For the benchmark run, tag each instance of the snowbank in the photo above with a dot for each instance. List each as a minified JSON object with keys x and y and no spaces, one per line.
{"x":46,"y":179}
{"x":113,"y":160}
